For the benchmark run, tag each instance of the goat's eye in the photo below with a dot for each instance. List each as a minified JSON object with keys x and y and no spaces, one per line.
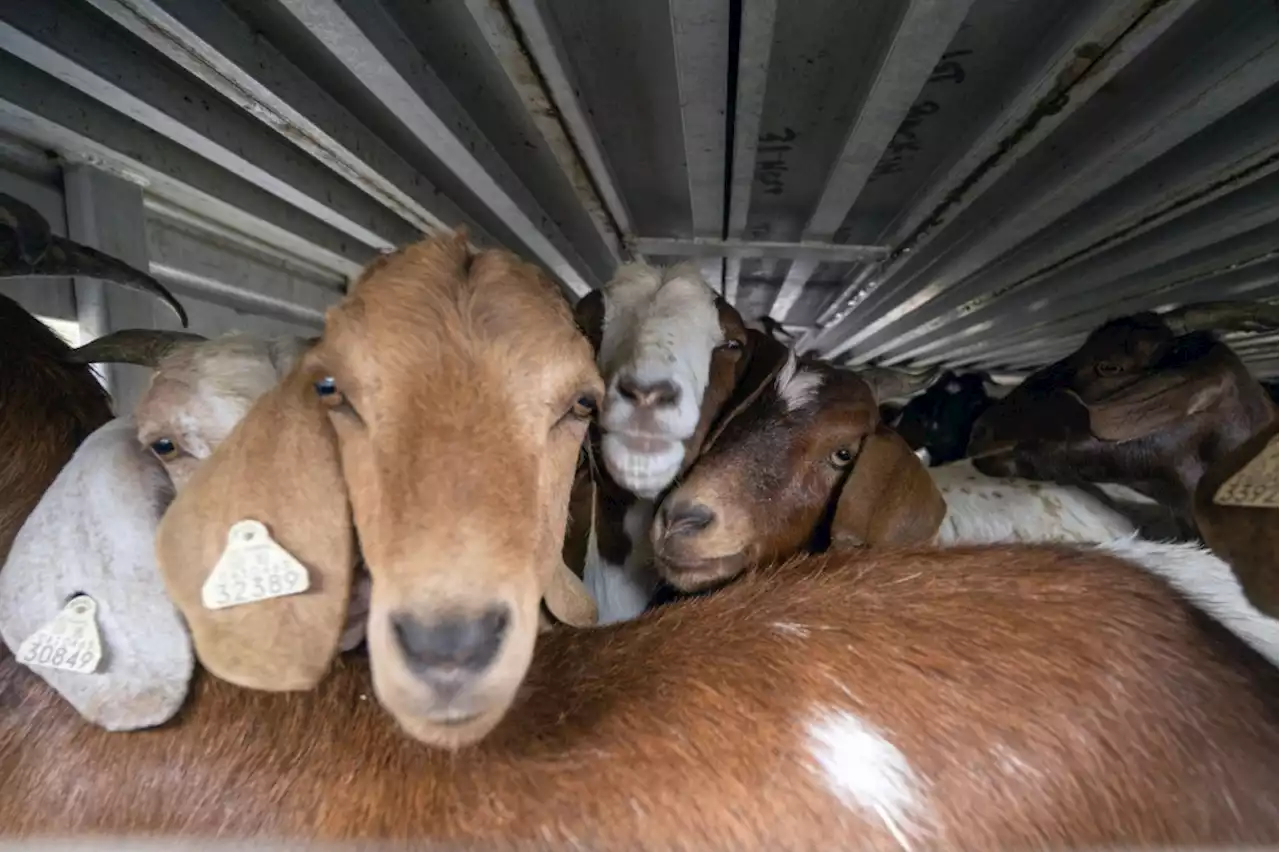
{"x":164,"y":448}
{"x":327,"y":390}
{"x":583,"y":407}
{"x":842,"y":457}
{"x":730,"y":345}
{"x":1106,"y":368}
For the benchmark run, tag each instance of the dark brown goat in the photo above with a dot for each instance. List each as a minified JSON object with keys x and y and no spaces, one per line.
{"x":1245,"y":536}
{"x":1148,"y":401}
{"x":980,"y":698}
{"x":48,"y":405}
{"x":805,"y":464}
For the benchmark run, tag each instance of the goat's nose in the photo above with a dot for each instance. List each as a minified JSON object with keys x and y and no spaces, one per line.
{"x":684,"y":517}
{"x":449,"y":651}
{"x":648,"y":394}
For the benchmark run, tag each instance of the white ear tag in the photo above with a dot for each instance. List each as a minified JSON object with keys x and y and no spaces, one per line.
{"x":70,"y":642}
{"x":253,"y":568}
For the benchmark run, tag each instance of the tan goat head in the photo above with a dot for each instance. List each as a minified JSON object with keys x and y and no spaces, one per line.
{"x":805,"y":463}
{"x":438,"y":418}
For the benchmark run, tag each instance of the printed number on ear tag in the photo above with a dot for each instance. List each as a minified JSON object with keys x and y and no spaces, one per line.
{"x":1254,"y":484}
{"x":253,"y":568}
{"x":70,"y":642}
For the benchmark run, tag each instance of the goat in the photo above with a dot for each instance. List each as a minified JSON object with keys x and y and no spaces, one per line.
{"x":980,"y":698}
{"x":1149,"y":401}
{"x":808,"y":466}
{"x":809,"y":455}
{"x":1242,"y":524}
{"x":50,"y":406}
{"x":674,"y":356}
{"x":940,"y":419}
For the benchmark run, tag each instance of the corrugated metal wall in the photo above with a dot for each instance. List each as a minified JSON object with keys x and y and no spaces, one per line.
{"x":969,"y":182}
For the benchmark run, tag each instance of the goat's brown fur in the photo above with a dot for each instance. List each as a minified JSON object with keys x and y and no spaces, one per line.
{"x":1136,"y":404}
{"x":1041,"y":696}
{"x":774,"y":487}
{"x":49,"y":407}
{"x":1245,"y":537}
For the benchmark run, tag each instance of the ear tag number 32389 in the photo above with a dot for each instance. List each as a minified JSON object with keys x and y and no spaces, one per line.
{"x":253,"y":568}
{"x":70,"y":642}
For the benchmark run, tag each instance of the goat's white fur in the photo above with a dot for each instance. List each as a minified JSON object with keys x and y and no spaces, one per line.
{"x":659,"y":325}
{"x":1208,"y":583}
{"x":796,"y":388}
{"x":93,"y":531}
{"x":983,"y":509}
{"x":622,"y":592}
{"x":866,"y":771}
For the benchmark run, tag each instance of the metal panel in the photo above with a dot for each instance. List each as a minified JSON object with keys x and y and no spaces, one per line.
{"x":956,"y":182}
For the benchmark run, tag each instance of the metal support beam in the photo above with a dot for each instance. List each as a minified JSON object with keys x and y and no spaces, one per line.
{"x":500,"y":35}
{"x":706,"y":247}
{"x":544,"y":44}
{"x":37,"y":108}
{"x":387,"y":65}
{"x":700,"y":33}
{"x":926,"y":28}
{"x":755,"y":45}
{"x":210,"y":42}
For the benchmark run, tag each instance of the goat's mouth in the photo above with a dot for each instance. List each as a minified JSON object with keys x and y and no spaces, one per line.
{"x":644,"y":465}
{"x":696,"y":575}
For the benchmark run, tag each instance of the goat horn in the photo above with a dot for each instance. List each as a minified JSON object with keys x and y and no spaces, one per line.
{"x":1229,"y":316}
{"x":888,"y":383}
{"x":142,"y":346}
{"x":31,"y":235}
{"x":28,"y":250}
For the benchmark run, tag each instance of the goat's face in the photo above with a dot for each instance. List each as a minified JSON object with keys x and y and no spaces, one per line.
{"x":668,"y":348}
{"x":459,"y":391}
{"x":940,"y":419}
{"x":802,"y":466}
{"x":1136,"y":404}
{"x":198,"y":394}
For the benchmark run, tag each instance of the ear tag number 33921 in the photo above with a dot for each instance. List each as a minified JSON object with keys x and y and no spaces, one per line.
{"x":253,"y":568}
{"x":70,"y":642}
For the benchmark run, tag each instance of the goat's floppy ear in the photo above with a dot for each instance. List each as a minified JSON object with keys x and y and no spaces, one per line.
{"x":1154,"y":402}
{"x":91,"y":538}
{"x":279,"y":467}
{"x":568,"y":599}
{"x":589,"y":316}
{"x":889,"y":497}
{"x":1235,"y":512}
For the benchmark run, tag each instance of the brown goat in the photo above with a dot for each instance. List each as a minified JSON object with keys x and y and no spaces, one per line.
{"x":805,"y":464}
{"x":978,"y":698}
{"x":1245,"y":535}
{"x":49,"y":406}
{"x":1148,"y":401}
{"x":974,"y":698}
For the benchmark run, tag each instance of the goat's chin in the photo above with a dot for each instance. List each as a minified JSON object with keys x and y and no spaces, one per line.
{"x":696,"y":575}
{"x":645,"y":473}
{"x":462,"y":720}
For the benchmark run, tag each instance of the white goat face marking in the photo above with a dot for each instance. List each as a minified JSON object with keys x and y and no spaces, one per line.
{"x":866,"y":771}
{"x":952,"y":387}
{"x":657,"y":328}
{"x":796,"y":388}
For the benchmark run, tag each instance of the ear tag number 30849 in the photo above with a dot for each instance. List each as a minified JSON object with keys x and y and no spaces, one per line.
{"x":70,"y":642}
{"x":252,"y":568}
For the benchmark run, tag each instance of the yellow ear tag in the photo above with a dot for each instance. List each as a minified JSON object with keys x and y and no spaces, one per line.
{"x":1253,"y":485}
{"x":252,"y":568}
{"x":70,"y":642}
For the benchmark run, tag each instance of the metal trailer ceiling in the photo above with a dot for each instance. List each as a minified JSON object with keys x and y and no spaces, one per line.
{"x":975,"y":183}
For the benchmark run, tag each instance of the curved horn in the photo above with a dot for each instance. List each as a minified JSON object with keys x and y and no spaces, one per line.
{"x":28,"y":250}
{"x":888,"y":383}
{"x":31,"y":234}
{"x":142,"y":346}
{"x":1227,"y":316}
